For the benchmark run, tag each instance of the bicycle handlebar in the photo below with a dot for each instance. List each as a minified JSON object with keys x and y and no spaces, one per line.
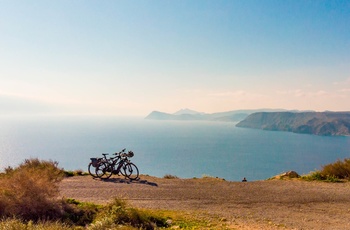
{"x":123,"y":150}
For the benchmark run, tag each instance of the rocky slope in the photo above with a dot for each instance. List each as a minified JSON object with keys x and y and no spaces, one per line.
{"x":318,"y":123}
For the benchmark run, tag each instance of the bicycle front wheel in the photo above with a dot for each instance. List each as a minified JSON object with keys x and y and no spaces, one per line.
{"x":131,"y":171}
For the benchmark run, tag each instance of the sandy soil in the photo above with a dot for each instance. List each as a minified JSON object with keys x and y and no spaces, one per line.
{"x":273,"y":204}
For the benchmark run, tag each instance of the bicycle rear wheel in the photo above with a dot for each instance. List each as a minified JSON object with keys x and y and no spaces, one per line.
{"x":103,"y":170}
{"x":131,"y":171}
{"x":91,"y":170}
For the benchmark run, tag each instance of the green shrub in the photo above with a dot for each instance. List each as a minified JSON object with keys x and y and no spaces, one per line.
{"x":68,"y":173}
{"x":334,"y":172}
{"x":77,"y":172}
{"x":319,"y":176}
{"x":79,"y":213}
{"x":117,"y":213}
{"x":322,"y":176}
{"x":316,"y":175}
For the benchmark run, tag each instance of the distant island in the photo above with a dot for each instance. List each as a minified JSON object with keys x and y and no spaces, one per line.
{"x":191,"y":115}
{"x":318,"y":123}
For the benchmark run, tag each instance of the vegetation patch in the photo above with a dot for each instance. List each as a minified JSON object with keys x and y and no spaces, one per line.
{"x":118,"y":213}
{"x":17,"y":224}
{"x":30,"y":191}
{"x":78,"y":172}
{"x":169,"y":176}
{"x":338,"y":171}
{"x":29,"y":201}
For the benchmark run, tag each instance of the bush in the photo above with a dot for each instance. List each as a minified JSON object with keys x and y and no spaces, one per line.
{"x":68,"y":173}
{"x":318,"y":176}
{"x":30,"y":191}
{"x":117,"y":213}
{"x":334,"y":172}
{"x":77,"y":172}
{"x":313,"y":176}
{"x":79,"y":213}
{"x":169,"y":176}
{"x":338,"y":169}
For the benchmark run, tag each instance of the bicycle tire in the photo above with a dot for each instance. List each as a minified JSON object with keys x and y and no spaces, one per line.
{"x":131,"y":171}
{"x":92,"y":171}
{"x":103,"y":170}
{"x":122,"y":171}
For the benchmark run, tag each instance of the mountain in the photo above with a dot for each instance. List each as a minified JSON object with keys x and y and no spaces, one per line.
{"x":187,"y":111}
{"x":318,"y":123}
{"x":188,"y":114}
{"x":156,"y":115}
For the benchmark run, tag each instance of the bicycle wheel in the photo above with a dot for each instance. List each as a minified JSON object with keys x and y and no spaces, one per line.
{"x":122,"y":168}
{"x":131,"y":171}
{"x":91,"y":170}
{"x":103,"y":170}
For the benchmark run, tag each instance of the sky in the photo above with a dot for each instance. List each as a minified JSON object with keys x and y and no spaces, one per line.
{"x":132,"y":57}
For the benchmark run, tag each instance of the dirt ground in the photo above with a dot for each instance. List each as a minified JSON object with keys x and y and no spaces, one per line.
{"x":272,"y":204}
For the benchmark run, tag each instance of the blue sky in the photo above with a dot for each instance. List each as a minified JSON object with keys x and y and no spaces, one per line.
{"x":132,"y":57}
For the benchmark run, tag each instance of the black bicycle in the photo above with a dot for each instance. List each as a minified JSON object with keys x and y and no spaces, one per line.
{"x":95,"y":162}
{"x":118,"y":164}
{"x":104,"y":167}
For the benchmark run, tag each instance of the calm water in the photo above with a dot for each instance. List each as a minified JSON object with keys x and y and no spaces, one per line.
{"x":183,"y":148}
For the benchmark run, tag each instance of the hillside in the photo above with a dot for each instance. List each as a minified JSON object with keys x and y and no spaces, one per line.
{"x":318,"y":123}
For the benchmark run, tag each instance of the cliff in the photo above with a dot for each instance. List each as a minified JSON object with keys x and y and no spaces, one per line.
{"x":318,"y":123}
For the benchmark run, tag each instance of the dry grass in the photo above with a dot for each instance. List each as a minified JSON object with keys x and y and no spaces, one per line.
{"x":16,"y":224}
{"x":30,"y":191}
{"x":339,"y":169}
{"x":169,"y":176}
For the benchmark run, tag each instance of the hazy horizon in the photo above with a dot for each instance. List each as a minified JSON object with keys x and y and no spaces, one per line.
{"x":133,"y":57}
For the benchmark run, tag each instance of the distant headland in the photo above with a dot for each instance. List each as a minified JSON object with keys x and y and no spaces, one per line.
{"x":308,"y":122}
{"x":188,"y":114}
{"x":318,"y":123}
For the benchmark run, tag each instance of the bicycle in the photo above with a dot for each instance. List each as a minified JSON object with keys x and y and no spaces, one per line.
{"x":95,"y":162}
{"x":119,"y":164}
{"x":104,"y":168}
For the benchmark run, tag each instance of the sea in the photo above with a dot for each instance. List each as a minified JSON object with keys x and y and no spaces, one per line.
{"x":187,"y":149}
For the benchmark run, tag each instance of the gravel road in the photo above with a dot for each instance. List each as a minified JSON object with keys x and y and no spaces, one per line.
{"x":272,"y":204}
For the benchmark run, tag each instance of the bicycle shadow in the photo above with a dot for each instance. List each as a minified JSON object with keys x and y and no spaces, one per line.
{"x":128,"y":181}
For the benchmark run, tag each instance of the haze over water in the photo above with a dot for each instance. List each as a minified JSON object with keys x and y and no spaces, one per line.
{"x":128,"y":58}
{"x":183,"y":148}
